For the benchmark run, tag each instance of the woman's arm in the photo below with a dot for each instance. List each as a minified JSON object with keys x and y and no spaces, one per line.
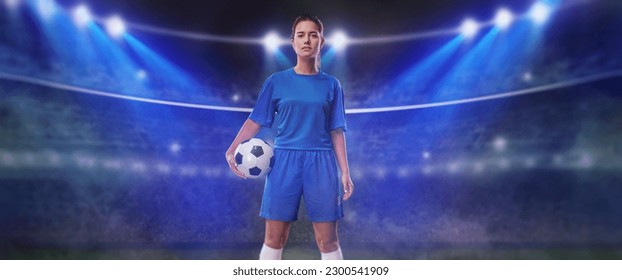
{"x":249,"y":130}
{"x":339,"y":146}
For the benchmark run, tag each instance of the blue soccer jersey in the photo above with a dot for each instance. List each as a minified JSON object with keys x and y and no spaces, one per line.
{"x":307,"y":108}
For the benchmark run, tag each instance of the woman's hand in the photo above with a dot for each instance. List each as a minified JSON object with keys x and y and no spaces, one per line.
{"x":348,"y":186}
{"x":233,"y":165}
{"x":248,"y":131}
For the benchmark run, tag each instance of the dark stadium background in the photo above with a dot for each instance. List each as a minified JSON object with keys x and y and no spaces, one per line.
{"x":531,"y":176}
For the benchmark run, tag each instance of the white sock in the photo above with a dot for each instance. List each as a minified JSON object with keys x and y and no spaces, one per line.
{"x":334,"y":255}
{"x":268,"y":253}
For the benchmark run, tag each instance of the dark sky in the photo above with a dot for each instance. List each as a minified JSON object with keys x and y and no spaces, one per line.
{"x":244,"y":18}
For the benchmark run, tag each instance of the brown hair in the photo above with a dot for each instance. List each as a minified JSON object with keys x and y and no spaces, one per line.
{"x":307,"y":17}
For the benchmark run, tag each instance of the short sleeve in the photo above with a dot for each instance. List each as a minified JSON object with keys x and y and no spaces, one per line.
{"x":338,"y":112}
{"x":264,"y":110}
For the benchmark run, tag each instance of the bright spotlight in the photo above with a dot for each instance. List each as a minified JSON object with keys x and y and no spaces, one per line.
{"x":540,"y":12}
{"x":115,"y":26}
{"x":47,"y":8}
{"x":11,"y":4}
{"x":503,"y":18}
{"x":82,"y":15}
{"x":272,"y":41}
{"x":339,"y":40}
{"x":469,"y":28}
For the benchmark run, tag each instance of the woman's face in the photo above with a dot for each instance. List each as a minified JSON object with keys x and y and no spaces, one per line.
{"x":307,"y":40}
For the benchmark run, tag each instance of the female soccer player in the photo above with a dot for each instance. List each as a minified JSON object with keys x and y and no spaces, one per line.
{"x":310,"y":119}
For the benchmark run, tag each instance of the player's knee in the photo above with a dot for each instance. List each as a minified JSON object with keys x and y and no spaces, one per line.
{"x":276,"y":241}
{"x":327,"y":245}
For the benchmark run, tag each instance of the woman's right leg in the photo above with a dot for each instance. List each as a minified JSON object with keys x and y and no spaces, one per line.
{"x":276,"y":236}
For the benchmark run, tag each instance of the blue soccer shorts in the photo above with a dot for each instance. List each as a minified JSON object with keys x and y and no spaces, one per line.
{"x":310,"y":174}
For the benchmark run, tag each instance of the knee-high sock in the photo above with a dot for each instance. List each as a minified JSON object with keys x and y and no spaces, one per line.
{"x":334,"y":255}
{"x":268,"y":253}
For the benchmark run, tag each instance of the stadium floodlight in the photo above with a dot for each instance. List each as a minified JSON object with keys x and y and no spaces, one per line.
{"x":540,"y":12}
{"x":46,"y":8}
{"x":11,"y":4}
{"x":82,"y":16}
{"x":339,"y":40}
{"x":503,"y":18}
{"x":115,"y":26}
{"x":272,"y":41}
{"x":469,"y":28}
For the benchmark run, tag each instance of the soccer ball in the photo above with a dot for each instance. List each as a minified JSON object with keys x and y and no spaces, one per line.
{"x":254,"y":157}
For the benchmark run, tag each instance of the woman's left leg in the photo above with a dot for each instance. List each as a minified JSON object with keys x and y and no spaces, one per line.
{"x":327,"y":240}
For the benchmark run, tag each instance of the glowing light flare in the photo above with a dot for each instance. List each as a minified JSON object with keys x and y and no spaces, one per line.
{"x":82,"y":16}
{"x":504,"y":18}
{"x":115,"y":26}
{"x":540,"y":12}
{"x":46,"y":8}
{"x":272,"y":41}
{"x":469,"y":28}
{"x":339,"y":40}
{"x":12,"y":4}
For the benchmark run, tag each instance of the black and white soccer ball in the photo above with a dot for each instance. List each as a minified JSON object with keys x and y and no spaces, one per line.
{"x":254,"y":157}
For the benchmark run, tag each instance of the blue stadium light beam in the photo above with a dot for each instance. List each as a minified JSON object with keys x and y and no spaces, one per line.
{"x":15,"y":24}
{"x":412,"y":85}
{"x":328,"y":57}
{"x":465,"y":74}
{"x":274,"y":58}
{"x":12,"y":4}
{"x":117,"y":62}
{"x":65,"y":45}
{"x":46,"y":8}
{"x":420,"y":74}
{"x":162,"y":70}
{"x":336,"y":45}
{"x":512,"y":55}
{"x":282,"y":59}
{"x":335,"y":62}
